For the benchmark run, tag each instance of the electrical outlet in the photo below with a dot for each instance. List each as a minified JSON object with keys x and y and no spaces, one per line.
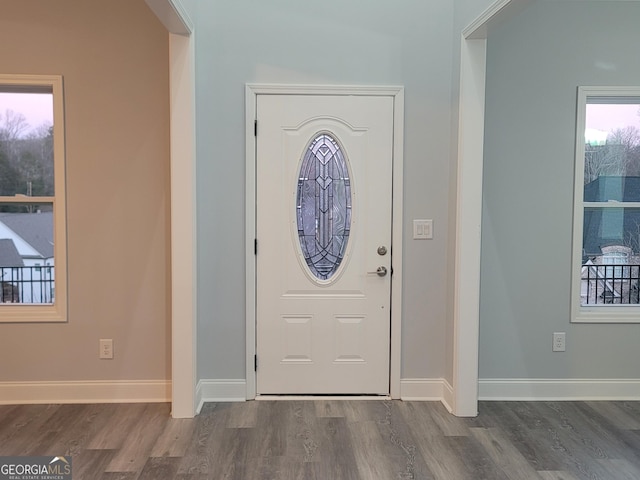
{"x":106,"y":348}
{"x":559,"y":341}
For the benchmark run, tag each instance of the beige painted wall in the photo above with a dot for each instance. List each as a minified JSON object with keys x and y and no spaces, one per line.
{"x":114,"y":59}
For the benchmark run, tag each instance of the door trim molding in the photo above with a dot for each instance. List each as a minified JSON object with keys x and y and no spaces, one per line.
{"x":251,"y":93}
{"x":470,"y":158}
{"x":183,"y":233}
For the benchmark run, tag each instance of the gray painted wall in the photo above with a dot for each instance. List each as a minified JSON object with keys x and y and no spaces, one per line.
{"x":534,"y":64}
{"x":355,"y":42}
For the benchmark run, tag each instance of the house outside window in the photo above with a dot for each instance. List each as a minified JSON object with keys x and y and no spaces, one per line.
{"x":616,"y":255}
{"x":32,"y":200}
{"x":606,"y":256}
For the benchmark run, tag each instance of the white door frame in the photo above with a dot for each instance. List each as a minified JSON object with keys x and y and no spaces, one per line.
{"x":466,"y":308}
{"x":469,"y":195}
{"x":251,"y":93}
{"x":183,"y":205}
{"x":183,"y":227}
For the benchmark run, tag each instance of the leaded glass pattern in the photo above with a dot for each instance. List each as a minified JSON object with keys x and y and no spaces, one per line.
{"x":323,"y":204}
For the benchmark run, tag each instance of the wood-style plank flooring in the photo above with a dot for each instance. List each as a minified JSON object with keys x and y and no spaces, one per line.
{"x":333,"y":440}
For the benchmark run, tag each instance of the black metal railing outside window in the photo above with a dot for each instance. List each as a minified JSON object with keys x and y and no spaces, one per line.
{"x":610,"y":284}
{"x":32,"y":285}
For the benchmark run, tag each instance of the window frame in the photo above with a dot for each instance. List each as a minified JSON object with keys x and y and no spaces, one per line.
{"x":57,"y":311}
{"x":620,"y":313}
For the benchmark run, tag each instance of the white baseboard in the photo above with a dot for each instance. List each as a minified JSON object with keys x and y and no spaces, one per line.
{"x":552,"y":389}
{"x":97,"y":391}
{"x":422,"y":389}
{"x":231,"y":390}
{"x":447,"y":396}
{"x":427,"y":389}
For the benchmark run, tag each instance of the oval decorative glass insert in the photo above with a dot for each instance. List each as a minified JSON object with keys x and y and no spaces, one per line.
{"x":323,"y":206}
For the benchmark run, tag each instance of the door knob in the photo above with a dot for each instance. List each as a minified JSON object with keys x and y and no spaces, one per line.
{"x":380,"y":271}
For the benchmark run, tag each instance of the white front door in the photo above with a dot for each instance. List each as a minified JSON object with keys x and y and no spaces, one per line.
{"x":323,"y":178}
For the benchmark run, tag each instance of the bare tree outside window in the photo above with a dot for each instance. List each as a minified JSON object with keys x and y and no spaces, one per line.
{"x":26,"y":147}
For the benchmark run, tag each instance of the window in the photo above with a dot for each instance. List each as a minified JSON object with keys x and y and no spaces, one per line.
{"x":606,"y":258}
{"x":32,"y":199}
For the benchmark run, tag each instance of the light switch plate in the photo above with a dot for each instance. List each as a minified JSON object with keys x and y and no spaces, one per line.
{"x":422,"y":229}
